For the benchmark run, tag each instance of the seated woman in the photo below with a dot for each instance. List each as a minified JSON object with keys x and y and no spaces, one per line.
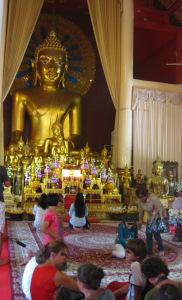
{"x":39,"y":258}
{"x":127,"y":230}
{"x":89,"y":279}
{"x":78,"y":213}
{"x":39,"y":211}
{"x":47,"y":278}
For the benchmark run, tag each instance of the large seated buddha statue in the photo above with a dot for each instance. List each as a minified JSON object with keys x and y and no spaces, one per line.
{"x":47,"y":101}
{"x":158,"y":184}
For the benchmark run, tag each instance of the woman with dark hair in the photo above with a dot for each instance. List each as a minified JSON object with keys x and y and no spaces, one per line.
{"x":46,"y":277}
{"x":39,"y":258}
{"x":89,"y":279}
{"x":39,"y":211}
{"x":52,"y":223}
{"x":78,"y":213}
{"x":150,"y":204}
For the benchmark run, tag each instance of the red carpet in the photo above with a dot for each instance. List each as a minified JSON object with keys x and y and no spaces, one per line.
{"x":5,"y":279}
{"x":92,"y":245}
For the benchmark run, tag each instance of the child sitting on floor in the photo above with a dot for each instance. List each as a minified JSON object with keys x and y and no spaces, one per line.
{"x":127,"y":230}
{"x":135,"y":253}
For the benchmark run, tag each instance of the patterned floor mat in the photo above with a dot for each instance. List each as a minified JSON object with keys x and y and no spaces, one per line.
{"x":94,"y":245}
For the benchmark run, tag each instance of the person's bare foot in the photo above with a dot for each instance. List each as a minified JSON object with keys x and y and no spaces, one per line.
{"x":3,"y":261}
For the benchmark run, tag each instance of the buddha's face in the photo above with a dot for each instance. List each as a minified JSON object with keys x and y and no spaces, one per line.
{"x":158,"y":170}
{"x":50,"y":65}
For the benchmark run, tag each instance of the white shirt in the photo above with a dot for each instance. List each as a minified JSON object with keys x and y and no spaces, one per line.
{"x":136,"y":279}
{"x":76,"y":221}
{"x":27,"y":277}
{"x":39,"y":216}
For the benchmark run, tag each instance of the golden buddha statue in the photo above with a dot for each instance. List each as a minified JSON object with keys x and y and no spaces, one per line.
{"x":20,"y":149}
{"x":37,"y":158}
{"x":47,"y":101}
{"x":126,"y":178}
{"x":56,"y":145}
{"x":158,"y":184}
{"x":104,"y":156}
{"x":87,"y":151}
{"x":11,"y":157}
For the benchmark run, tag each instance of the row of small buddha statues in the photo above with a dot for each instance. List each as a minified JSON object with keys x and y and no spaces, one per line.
{"x":26,"y":164}
{"x":163,"y":187}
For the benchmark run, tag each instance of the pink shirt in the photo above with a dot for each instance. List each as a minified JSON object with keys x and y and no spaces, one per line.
{"x":53,"y":221}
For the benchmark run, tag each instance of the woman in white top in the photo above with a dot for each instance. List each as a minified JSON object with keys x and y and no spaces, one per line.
{"x":78,"y":213}
{"x":39,"y":211}
{"x":39,"y":258}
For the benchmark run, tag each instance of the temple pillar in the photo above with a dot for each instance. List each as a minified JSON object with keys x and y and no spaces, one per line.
{"x":124,"y":112}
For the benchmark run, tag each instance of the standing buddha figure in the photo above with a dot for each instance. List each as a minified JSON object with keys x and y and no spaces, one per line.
{"x":48,"y":100}
{"x":20,"y":149}
{"x":126,"y":178}
{"x":157,"y":183}
{"x":104,"y":156}
{"x":37,"y":157}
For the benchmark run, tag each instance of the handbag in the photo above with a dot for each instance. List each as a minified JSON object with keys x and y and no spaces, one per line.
{"x":156,"y":225}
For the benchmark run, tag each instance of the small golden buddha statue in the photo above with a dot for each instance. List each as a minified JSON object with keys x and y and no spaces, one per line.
{"x":11,"y":157}
{"x":158,"y":184}
{"x":25,"y":161}
{"x":20,"y":149}
{"x":126,"y":178}
{"x":56,"y":145}
{"x":47,"y":101}
{"x":104,"y":156}
{"x":37,"y":158}
{"x":87,"y":152}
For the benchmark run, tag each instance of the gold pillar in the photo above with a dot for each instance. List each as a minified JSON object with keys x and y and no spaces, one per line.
{"x":124,"y":113}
